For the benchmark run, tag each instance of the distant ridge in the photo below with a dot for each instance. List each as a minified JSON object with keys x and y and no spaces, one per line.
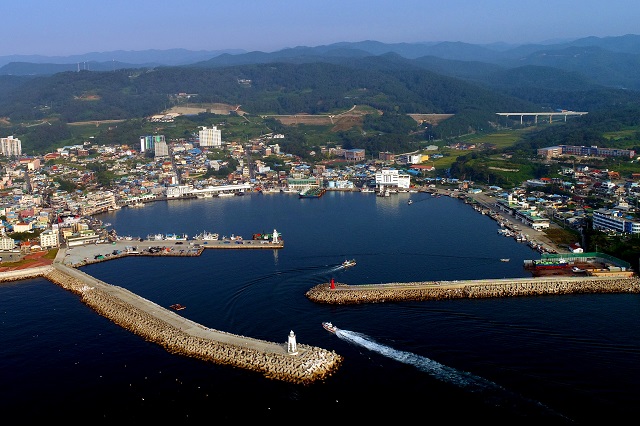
{"x":609,"y":61}
{"x":127,"y":57}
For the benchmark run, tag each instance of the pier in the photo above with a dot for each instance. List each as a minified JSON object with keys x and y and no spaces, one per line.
{"x":93,"y":253}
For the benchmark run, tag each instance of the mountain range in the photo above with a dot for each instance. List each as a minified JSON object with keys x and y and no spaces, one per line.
{"x":609,"y":61}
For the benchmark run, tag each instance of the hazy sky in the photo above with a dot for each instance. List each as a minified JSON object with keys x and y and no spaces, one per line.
{"x":67,"y":27}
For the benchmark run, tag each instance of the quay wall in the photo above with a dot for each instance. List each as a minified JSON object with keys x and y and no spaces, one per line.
{"x":344,"y":294}
{"x":181,"y":336}
{"x":24,"y":274}
{"x":84,"y":255}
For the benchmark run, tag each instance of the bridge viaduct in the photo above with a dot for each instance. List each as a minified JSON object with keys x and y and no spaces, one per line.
{"x":537,"y":114}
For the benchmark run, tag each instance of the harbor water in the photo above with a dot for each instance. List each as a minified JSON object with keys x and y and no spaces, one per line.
{"x":570,"y":359}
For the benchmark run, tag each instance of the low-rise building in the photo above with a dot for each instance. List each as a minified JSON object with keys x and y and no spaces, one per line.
{"x":49,"y":239}
{"x":615,"y":220}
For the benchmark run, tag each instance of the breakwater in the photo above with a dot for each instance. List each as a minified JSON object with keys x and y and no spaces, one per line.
{"x":24,"y":274}
{"x":343,"y":294}
{"x":184,"y":337}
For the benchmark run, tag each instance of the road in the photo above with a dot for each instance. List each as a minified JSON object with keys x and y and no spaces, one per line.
{"x":489,"y":201}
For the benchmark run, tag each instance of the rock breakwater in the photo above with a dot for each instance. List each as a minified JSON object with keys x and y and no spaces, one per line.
{"x":310,"y":364}
{"x":344,"y":294}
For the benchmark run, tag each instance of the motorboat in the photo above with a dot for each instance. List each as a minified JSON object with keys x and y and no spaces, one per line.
{"x":329,"y":327}
{"x":504,"y":260}
{"x":349,"y":263}
{"x":410,"y":202}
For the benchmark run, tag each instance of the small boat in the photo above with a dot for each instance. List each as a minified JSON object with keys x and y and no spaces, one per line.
{"x":177,"y":307}
{"x":349,"y":263}
{"x":504,"y":260}
{"x":410,"y":202}
{"x":207,"y":236}
{"x":175,"y":237}
{"x":314,"y":192}
{"x":329,"y":327}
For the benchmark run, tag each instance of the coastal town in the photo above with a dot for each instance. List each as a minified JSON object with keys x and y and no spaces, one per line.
{"x":51,"y":226}
{"x":54,"y":200}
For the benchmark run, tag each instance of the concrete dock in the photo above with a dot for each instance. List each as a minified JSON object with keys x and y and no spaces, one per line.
{"x":93,"y":253}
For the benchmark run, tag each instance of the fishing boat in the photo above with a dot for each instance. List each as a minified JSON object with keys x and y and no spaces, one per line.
{"x":383,"y":192}
{"x":175,"y":237}
{"x":177,"y":307}
{"x":329,"y":327}
{"x":315,"y":192}
{"x":551,"y":264}
{"x":207,"y":236}
{"x":349,"y":263}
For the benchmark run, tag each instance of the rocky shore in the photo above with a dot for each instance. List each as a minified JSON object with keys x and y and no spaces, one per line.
{"x":344,"y":294}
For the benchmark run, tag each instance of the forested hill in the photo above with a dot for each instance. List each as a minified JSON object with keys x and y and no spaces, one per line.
{"x":276,"y":88}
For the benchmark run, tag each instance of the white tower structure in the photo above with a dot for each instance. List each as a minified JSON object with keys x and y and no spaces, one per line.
{"x":275,"y":236}
{"x":292,"y":347}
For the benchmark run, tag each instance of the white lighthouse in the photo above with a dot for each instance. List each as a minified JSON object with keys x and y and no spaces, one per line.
{"x":292,"y":347}
{"x":275,"y":237}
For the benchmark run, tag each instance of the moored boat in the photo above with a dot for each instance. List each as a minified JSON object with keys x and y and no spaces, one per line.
{"x":175,"y":237}
{"x":349,"y":263}
{"x":312,"y":192}
{"x":551,"y":264}
{"x":329,"y":327}
{"x":207,"y":236}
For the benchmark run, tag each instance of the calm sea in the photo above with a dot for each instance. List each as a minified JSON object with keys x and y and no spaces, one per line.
{"x":556,"y":359}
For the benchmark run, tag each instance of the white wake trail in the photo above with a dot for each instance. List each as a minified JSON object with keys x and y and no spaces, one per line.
{"x":493,"y":393}
{"x":439,"y":371}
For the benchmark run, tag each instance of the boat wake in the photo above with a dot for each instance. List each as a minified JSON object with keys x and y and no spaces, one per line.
{"x":493,"y":393}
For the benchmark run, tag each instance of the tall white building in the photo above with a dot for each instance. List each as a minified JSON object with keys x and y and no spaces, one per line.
{"x":210,"y":137}
{"x":7,"y":243}
{"x":10,"y":146}
{"x":161,"y":149}
{"x":392,"y":178}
